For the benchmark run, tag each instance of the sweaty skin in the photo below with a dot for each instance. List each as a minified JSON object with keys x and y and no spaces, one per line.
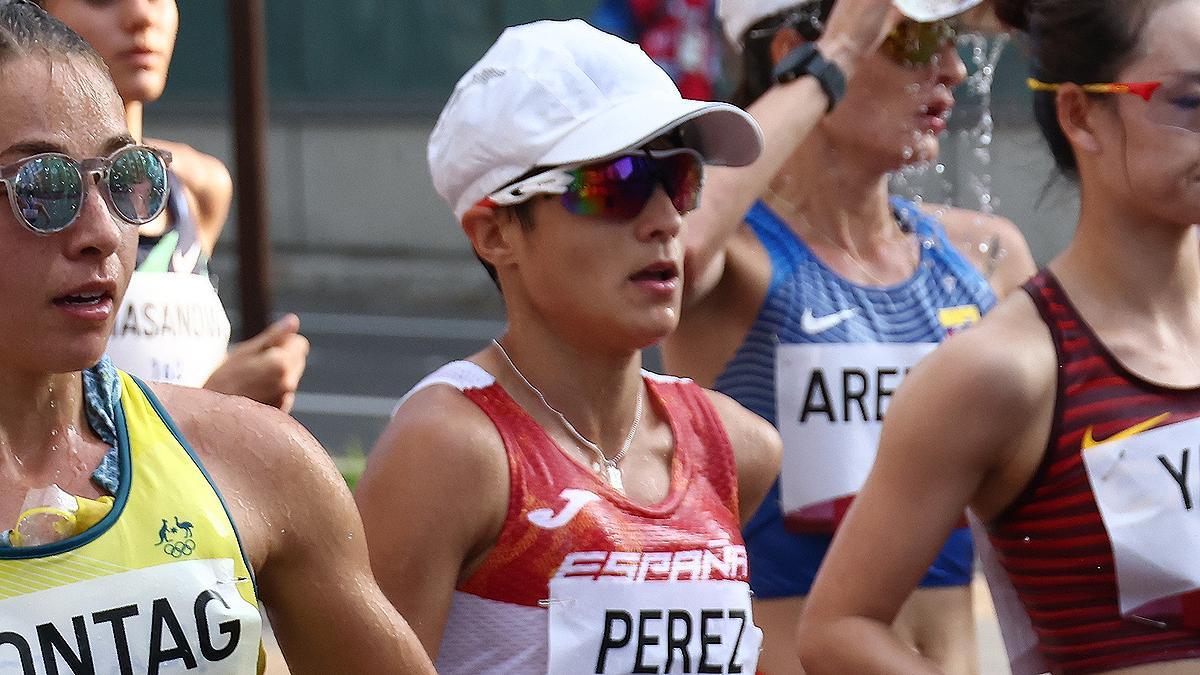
{"x":296,"y":518}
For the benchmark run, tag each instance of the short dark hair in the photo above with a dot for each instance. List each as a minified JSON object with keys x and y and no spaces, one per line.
{"x":1077,"y":41}
{"x":25,"y":28}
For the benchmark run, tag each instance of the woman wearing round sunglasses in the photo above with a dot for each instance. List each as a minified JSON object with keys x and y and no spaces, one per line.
{"x":118,"y":553}
{"x":172,"y":326}
{"x":1067,"y":420}
{"x":810,"y":308}
{"x":545,"y":505}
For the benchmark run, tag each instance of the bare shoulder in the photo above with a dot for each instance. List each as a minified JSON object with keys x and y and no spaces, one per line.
{"x":978,"y":410}
{"x":441,"y":427}
{"x":266,"y":464}
{"x":437,"y":445}
{"x":993,"y":244}
{"x":237,"y":431}
{"x":1007,"y":357}
{"x":757,"y":450}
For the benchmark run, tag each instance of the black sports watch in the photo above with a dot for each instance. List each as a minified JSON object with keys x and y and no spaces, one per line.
{"x":807,"y":60}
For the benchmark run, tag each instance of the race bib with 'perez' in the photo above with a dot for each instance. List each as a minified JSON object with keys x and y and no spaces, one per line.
{"x":171,"y":327}
{"x":1146,"y":480}
{"x":173,"y":618}
{"x":830,"y":403}
{"x":614,"y":612}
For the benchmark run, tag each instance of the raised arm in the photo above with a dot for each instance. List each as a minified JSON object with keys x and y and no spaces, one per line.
{"x":786,"y":113}
{"x":965,"y":429}
{"x":433,"y":499}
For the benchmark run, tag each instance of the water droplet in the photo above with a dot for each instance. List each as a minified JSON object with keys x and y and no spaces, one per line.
{"x":939,"y":168}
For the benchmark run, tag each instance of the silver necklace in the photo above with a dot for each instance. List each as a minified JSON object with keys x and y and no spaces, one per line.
{"x":833,"y":242}
{"x":603,"y":465}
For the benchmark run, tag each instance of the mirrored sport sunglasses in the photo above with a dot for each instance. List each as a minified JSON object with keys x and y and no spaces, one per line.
{"x":617,"y":188}
{"x":46,"y":191}
{"x":1174,"y":102}
{"x":915,"y":44}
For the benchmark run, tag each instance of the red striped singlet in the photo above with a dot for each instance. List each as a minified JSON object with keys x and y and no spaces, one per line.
{"x":564,"y":522}
{"x":1052,"y":541}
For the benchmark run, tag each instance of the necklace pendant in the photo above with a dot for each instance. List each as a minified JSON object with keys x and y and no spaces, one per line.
{"x":612,"y":473}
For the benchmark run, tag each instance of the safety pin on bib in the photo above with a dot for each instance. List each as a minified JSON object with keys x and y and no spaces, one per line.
{"x":546,"y":602}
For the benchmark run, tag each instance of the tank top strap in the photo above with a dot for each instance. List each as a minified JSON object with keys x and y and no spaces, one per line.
{"x":784,"y":248}
{"x":928,"y":228}
{"x":1057,"y":313}
{"x":705,"y":443}
{"x":178,"y":248}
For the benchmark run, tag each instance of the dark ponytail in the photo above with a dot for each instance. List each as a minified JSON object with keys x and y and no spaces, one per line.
{"x":26,"y":28}
{"x":1080,"y":41}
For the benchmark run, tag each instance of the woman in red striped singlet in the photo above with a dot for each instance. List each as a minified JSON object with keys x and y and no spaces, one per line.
{"x":1069,"y":419}
{"x":546,"y":505}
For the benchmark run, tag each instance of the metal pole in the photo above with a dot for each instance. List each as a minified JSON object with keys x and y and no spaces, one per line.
{"x":248,"y":65}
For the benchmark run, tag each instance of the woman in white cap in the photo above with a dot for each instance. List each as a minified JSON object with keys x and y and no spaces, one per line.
{"x":810,"y":302}
{"x":545,"y":505}
{"x":1068,"y":419}
{"x":172,"y":326}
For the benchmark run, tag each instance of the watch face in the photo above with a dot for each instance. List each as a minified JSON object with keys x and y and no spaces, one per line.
{"x":932,"y":10}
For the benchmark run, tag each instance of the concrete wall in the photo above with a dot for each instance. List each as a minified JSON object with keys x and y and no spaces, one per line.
{"x":355,"y":218}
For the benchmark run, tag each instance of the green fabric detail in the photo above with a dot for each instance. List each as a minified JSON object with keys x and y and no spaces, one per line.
{"x":159,"y":258}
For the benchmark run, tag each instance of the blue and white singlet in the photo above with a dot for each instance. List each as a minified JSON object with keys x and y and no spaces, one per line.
{"x":840,"y":351}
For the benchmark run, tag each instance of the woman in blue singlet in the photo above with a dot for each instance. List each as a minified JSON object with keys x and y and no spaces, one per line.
{"x":172,"y":327}
{"x":811,"y":308}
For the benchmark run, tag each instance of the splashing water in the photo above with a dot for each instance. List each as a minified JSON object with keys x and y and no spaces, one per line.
{"x":964,"y":178}
{"x":985,"y":52}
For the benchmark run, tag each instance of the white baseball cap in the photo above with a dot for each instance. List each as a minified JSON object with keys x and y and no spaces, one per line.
{"x":553,"y":93}
{"x":738,"y":15}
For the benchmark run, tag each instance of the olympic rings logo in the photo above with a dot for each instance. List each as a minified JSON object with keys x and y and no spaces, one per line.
{"x":179,"y":549}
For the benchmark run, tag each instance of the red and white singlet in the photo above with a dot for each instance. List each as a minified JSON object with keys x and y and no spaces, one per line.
{"x":582,"y":580}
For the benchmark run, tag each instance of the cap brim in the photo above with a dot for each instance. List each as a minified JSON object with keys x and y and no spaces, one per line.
{"x":723,"y":134}
{"x":932,"y":10}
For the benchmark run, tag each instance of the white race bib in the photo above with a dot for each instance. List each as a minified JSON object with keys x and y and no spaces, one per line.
{"x":1148,"y":489}
{"x":618,"y":626}
{"x":173,"y":618}
{"x":171,"y":327}
{"x":830,"y":402}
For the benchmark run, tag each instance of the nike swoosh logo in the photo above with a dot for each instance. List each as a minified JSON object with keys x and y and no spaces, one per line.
{"x":1089,"y":442}
{"x":819,"y":324}
{"x":547,"y":519}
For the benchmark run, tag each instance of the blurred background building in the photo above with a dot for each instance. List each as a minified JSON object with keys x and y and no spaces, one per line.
{"x":364,"y":249}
